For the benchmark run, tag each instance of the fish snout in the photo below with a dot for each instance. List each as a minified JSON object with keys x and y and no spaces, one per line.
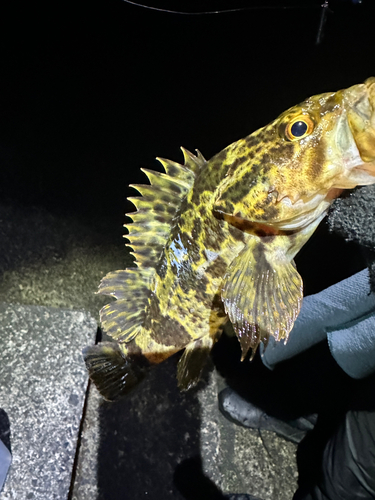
{"x":370,"y":82}
{"x":361,"y":119}
{"x":370,"y":85}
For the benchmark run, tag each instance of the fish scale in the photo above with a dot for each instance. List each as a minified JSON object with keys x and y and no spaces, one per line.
{"x":215,"y":240}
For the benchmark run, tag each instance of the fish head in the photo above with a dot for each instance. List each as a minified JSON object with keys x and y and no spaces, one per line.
{"x":287,"y":173}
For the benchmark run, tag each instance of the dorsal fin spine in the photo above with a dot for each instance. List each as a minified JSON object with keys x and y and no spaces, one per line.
{"x":193,"y":162}
{"x":202,"y":160}
{"x":155,"y":193}
{"x":160,"y":179}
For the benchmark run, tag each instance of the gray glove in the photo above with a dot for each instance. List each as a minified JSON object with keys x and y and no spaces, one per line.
{"x":344,"y":314}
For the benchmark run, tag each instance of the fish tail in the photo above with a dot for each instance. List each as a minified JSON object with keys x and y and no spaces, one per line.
{"x":113,"y":372}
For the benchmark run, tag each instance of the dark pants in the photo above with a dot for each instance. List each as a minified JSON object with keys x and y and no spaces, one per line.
{"x":336,"y":460}
{"x":348,"y":462}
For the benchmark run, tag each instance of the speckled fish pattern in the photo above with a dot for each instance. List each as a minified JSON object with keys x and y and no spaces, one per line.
{"x":215,"y":240}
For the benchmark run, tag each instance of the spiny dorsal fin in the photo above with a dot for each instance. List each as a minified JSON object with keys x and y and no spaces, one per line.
{"x":176,"y":171}
{"x":193,"y":162}
{"x":124,"y":318}
{"x":157,"y":206}
{"x":164,"y":181}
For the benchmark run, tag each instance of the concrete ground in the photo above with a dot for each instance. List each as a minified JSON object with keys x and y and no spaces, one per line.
{"x":156,"y":443}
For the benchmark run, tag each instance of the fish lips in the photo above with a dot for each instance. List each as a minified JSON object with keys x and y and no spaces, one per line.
{"x":361,"y":121}
{"x":355,"y":136}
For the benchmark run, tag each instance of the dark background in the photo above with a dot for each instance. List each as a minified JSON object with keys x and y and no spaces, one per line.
{"x":92,"y":91}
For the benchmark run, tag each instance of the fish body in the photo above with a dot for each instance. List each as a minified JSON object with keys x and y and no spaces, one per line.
{"x":215,"y":240}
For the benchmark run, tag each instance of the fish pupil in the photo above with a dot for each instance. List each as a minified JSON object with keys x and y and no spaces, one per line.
{"x":298,"y":129}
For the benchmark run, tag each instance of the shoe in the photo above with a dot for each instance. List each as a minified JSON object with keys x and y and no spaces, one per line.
{"x":244,"y":413}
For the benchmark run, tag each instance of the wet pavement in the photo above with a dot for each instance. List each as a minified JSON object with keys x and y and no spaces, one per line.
{"x":157,"y":442}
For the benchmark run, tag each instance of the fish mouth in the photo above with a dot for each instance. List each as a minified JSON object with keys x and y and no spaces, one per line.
{"x":361,"y":121}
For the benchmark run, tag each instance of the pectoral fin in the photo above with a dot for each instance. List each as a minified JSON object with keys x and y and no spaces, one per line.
{"x":262,"y":293}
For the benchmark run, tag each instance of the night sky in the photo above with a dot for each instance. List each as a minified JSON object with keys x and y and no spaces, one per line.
{"x":92,"y":91}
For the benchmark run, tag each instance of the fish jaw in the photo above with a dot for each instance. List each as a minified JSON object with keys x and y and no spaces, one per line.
{"x":355,"y":137}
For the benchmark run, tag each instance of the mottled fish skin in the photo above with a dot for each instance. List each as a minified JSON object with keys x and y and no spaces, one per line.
{"x":220,"y":242}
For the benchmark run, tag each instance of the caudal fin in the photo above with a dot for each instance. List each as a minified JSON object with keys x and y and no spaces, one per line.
{"x":113,"y":373}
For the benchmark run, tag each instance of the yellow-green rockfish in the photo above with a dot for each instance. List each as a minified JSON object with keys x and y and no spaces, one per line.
{"x":215,"y":240}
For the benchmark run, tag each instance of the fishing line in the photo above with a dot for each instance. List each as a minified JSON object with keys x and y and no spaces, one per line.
{"x":324,"y":11}
{"x":224,"y":11}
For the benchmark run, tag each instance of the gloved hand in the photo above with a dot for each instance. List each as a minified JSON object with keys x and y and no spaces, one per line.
{"x":344,"y":314}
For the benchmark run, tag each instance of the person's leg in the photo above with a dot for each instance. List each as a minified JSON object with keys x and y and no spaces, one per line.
{"x":348,"y":462}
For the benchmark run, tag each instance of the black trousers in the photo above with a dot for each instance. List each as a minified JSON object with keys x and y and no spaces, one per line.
{"x":336,"y":460}
{"x":348,"y":462}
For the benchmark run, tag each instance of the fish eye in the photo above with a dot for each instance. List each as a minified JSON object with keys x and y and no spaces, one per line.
{"x":299,"y":127}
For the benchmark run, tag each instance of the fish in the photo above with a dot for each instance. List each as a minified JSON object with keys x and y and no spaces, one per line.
{"x":215,"y":241}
